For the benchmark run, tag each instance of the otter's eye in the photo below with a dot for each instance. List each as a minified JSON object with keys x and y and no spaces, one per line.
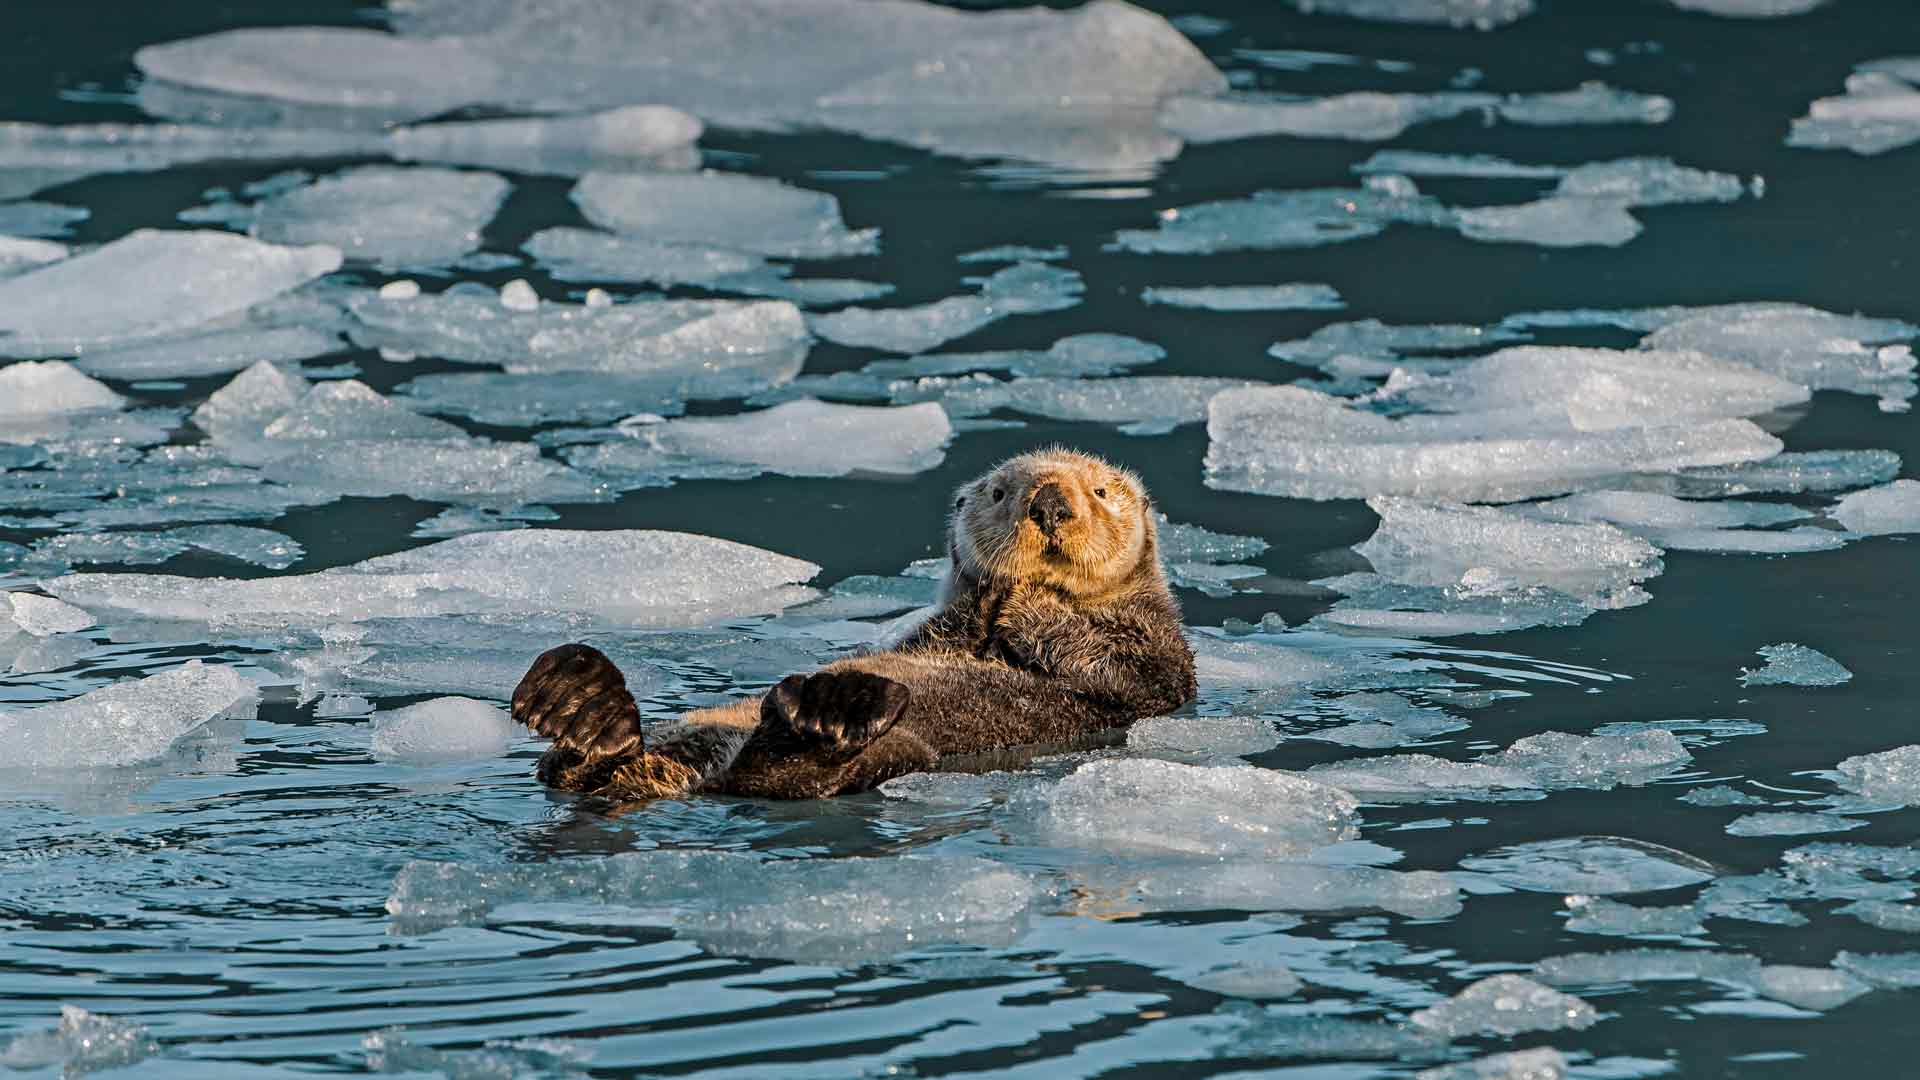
{"x":999,"y":493}
{"x":959,"y":502}
{"x":1099,"y":493}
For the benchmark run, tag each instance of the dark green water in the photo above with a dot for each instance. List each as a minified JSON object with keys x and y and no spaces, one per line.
{"x":235,"y":908}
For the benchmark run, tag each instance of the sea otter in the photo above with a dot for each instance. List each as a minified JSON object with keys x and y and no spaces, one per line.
{"x":1055,"y":622}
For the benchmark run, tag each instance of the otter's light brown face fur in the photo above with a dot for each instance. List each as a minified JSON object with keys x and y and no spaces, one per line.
{"x":1055,"y":517}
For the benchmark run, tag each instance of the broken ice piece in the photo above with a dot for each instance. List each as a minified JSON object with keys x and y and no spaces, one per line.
{"x":636,"y":136}
{"x":389,"y":216}
{"x":1790,"y":824}
{"x":1595,"y":865}
{"x":1247,"y":297}
{"x":51,"y":387}
{"x":1505,"y":1005}
{"x":1478,"y":14}
{"x":81,"y":1043}
{"x":1589,"y":103}
{"x":43,"y":616}
{"x":1891,"y":776}
{"x":1598,"y":915}
{"x":1203,"y":736}
{"x":796,"y":438}
{"x":122,"y":724}
{"x":1539,"y":1063}
{"x":724,"y":210}
{"x":1788,"y":664}
{"x":443,"y":729}
{"x":1881,"y":511}
{"x":1257,"y":982}
{"x":1020,"y":289}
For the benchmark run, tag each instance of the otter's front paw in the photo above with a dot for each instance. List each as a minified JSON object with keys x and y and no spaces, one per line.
{"x":837,"y":712}
{"x":575,"y":696}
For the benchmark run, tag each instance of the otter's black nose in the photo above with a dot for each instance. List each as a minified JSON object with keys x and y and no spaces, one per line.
{"x":1049,"y":508}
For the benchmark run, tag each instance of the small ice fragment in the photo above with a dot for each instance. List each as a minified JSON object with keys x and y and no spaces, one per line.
{"x":1594,"y":865}
{"x":796,"y":438}
{"x":51,"y":386}
{"x":1539,"y":1063}
{"x":1423,"y":777}
{"x":1478,"y":14}
{"x":1891,"y":776}
{"x":1813,"y":988}
{"x":1885,"y":914}
{"x":1721,"y":795}
{"x":1147,"y":805}
{"x":1589,"y":103}
{"x":338,"y":705}
{"x":725,"y":210}
{"x":632,"y":136}
{"x":577,"y":396}
{"x":1894,"y":971}
{"x":146,"y":284}
{"x":1203,"y":736}
{"x":1365,"y":116}
{"x":517,"y":295}
{"x":1788,"y":664}
{"x":1790,"y":824}
{"x":1600,"y":762}
{"x":215,"y":353}
{"x":443,"y":729}
{"x":1505,"y":1005}
{"x":1283,"y":219}
{"x":1296,"y":297}
{"x":38,"y":219}
{"x":1560,"y":221}
{"x":1013,"y":253}
{"x":1597,"y":915}
{"x":261,"y":547}
{"x":1258,"y":982}
{"x":81,"y":1043}
{"x":1791,"y":474}
{"x":1425,"y":163}
{"x":43,"y":616}
{"x":598,"y":298}
{"x":122,"y":724}
{"x":1881,"y":511}
{"x":412,"y":216}
{"x":1020,"y":289}
{"x":1261,"y":884}
{"x":1749,"y":9}
{"x":1647,"y":965}
{"x":400,"y":289}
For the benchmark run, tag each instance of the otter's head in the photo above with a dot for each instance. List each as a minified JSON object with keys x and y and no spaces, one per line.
{"x":1056,"y":517}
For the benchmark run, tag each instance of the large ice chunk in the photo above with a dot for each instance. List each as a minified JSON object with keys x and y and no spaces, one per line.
{"x":387,"y":215}
{"x":123,"y":724}
{"x":722,"y":210}
{"x":1505,"y":1005}
{"x":1795,"y":665}
{"x":146,"y":284}
{"x":1877,"y":511}
{"x":1556,"y":222}
{"x":797,"y":438}
{"x":1146,"y":805}
{"x":742,"y":345}
{"x":335,"y":66}
{"x":1559,"y":760}
{"x":631,"y":577}
{"x":1204,"y":737}
{"x":443,"y":729}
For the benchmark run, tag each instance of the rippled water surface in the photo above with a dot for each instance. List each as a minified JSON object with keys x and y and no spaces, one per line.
{"x":259,"y":877}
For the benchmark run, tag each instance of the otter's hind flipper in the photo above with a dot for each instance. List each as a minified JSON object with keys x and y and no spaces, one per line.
{"x":575,"y":696}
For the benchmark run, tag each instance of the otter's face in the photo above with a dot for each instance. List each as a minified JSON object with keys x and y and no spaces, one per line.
{"x":1054,"y":517}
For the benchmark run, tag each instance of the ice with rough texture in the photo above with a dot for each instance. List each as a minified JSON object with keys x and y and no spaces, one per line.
{"x":1295,"y":297}
{"x":1891,"y":776}
{"x":570,"y":254}
{"x":215,"y":353}
{"x":1479,"y":14}
{"x":1021,"y":289}
{"x":1788,"y":664}
{"x":50,"y":387}
{"x":147,"y":284}
{"x":1880,"y":111}
{"x":1791,"y":473}
{"x":722,"y":210}
{"x":1427,"y":163}
{"x":17,"y":254}
{"x":1881,"y":511}
{"x":125,"y":723}
{"x":1202,"y":736}
{"x":1818,"y":349}
{"x":1556,"y":222}
{"x":811,"y":910}
{"x":1597,"y":915}
{"x":1163,"y":806}
{"x":1790,"y":824}
{"x":1588,"y":103}
{"x":1560,"y":760}
{"x":630,"y":577}
{"x":1594,"y":865}
{"x":81,"y":1043}
{"x":1813,"y":988}
{"x":797,"y":438}
{"x":443,"y":729}
{"x":716,"y":346}
{"x":1441,"y":544}
{"x":1505,"y":1005}
{"x":1539,"y":1063}
{"x":43,"y":616}
{"x":386,"y":215}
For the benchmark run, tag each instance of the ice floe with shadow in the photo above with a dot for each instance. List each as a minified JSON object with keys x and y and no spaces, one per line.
{"x":1880,"y":110}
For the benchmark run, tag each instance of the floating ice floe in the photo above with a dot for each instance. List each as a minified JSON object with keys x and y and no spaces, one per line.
{"x":81,"y":1043}
{"x":147,"y":284}
{"x":1021,"y":289}
{"x":716,"y":346}
{"x":1549,"y":761}
{"x":216,"y":353}
{"x":1380,"y":720}
{"x":1247,"y":297}
{"x":1139,"y":404}
{"x":1880,"y":111}
{"x":1894,"y":971}
{"x":723,"y":210}
{"x":1676,"y":524}
{"x":17,"y":254}
{"x":1258,"y":883}
{"x":1078,"y":356}
{"x":261,"y":547}
{"x":386,"y":215}
{"x":820,"y":910}
{"x":1588,"y":103}
{"x":636,"y":136}
{"x":1749,"y":9}
{"x":1257,"y":982}
{"x":1143,"y":805}
{"x":1364,"y":116}
{"x":51,"y":387}
{"x":1285,"y":219}
{"x":443,"y":729}
{"x":1205,"y":737}
{"x":1788,"y":664}
{"x":1815,"y":348}
{"x":1891,"y":776}
{"x":510,"y":400}
{"x":1802,"y":987}
{"x":1790,"y":824}
{"x":1539,"y":1063}
{"x":796,"y":438}
{"x":123,"y":724}
{"x":1881,"y":511}
{"x":1598,"y":915}
{"x":570,"y":254}
{"x":1505,"y":1005}
{"x":1479,"y":14}
{"x":624,"y":577}
{"x":1601,"y":866}
{"x":1790,"y":473}
{"x":43,"y":616}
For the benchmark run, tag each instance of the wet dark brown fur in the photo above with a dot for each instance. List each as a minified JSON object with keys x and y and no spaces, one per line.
{"x":1055,"y":623}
